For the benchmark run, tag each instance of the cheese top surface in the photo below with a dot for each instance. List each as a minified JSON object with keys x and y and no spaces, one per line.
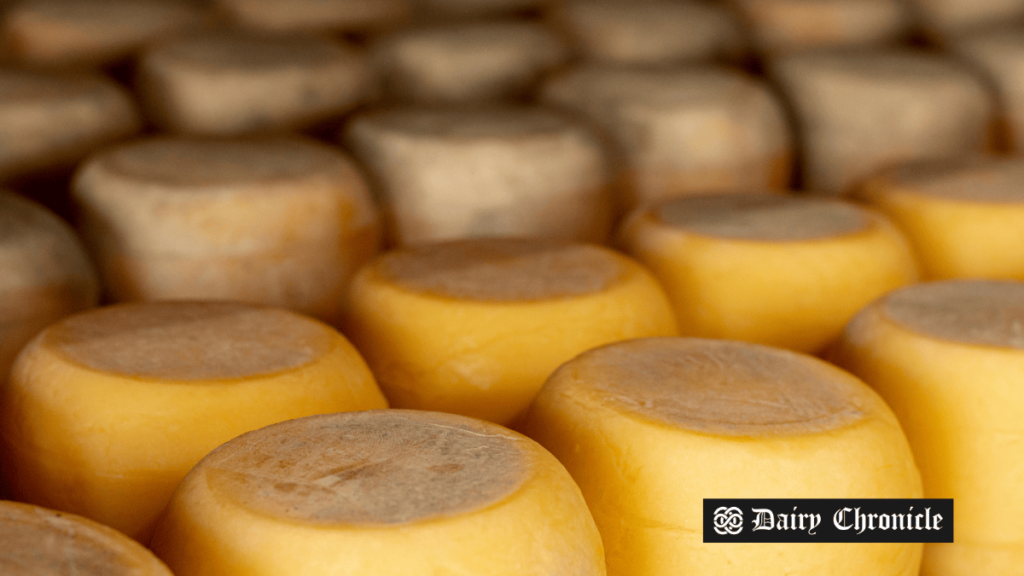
{"x":881,"y":66}
{"x":38,"y":89}
{"x":237,"y":51}
{"x":982,"y":180}
{"x":981,"y":313}
{"x":502,"y":270}
{"x":189,"y":341}
{"x":618,"y":87}
{"x":35,"y":541}
{"x":720,"y":387}
{"x":763,"y":217}
{"x":373,"y":468}
{"x":117,"y":18}
{"x":471,"y":124}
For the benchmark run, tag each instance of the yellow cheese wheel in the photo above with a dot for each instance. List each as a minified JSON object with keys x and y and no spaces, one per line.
{"x":965,"y":218}
{"x":949,"y":358}
{"x":281,"y":221}
{"x":773,"y":269}
{"x":649,"y":32}
{"x":35,"y":541}
{"x":346,"y":15}
{"x":447,"y":174}
{"x":106,"y":411}
{"x":232,"y":82}
{"x":45,"y":274}
{"x":651,"y":427}
{"x":379,"y":493}
{"x":466,"y":62}
{"x":999,"y":55}
{"x":682,"y":130}
{"x":64,"y":32}
{"x":53,"y":120}
{"x":475,"y":327}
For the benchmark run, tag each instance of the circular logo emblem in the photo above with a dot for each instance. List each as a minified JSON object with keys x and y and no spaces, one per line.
{"x":728,"y":520}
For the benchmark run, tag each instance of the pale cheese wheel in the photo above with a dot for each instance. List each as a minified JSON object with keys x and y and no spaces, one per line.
{"x":485,"y":172}
{"x":66,"y":32}
{"x":466,"y":62}
{"x":964,"y":218}
{"x":858,"y":112}
{"x":945,"y":19}
{"x":475,"y":327}
{"x":649,"y":32}
{"x":651,"y":427}
{"x":999,"y":55}
{"x":380,"y":493}
{"x":231,"y":82}
{"x":949,"y":358}
{"x":35,"y":541}
{"x":50,"y":120}
{"x":280,"y":220}
{"x":45,"y":274}
{"x":772,"y":269}
{"x":683,"y":130}
{"x":344,"y":15}
{"x":106,"y":411}
{"x":779,"y":26}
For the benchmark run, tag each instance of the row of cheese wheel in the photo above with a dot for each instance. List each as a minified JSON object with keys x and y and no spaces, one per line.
{"x":106,"y":412}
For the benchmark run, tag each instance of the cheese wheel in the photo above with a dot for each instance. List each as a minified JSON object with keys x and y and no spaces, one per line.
{"x":964,"y":218}
{"x":772,"y":269}
{"x":281,"y":221}
{"x":649,"y":428}
{"x":232,"y":82}
{"x":291,"y":15}
{"x":380,"y":493}
{"x":683,"y":130}
{"x":51,"y":120}
{"x":475,"y":327}
{"x":949,"y":358}
{"x":999,"y":55}
{"x":466,"y":62}
{"x":46,"y":274}
{"x":470,"y":173}
{"x":106,"y":411}
{"x":945,"y":19}
{"x":64,"y":32}
{"x":649,"y":32}
{"x":859,"y":112}
{"x":35,"y":541}
{"x":448,"y":9}
{"x":779,"y":26}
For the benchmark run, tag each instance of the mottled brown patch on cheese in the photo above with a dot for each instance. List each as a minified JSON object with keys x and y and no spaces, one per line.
{"x":720,"y":387}
{"x":983,"y":180}
{"x":189,"y":341}
{"x":369,"y":468}
{"x":503,"y":270}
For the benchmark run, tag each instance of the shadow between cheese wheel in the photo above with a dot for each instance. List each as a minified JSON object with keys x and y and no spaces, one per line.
{"x":649,"y":428}
{"x":379,"y":493}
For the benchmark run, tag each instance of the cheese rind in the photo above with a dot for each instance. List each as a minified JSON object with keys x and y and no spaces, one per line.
{"x":999,"y":55}
{"x":651,"y":427}
{"x":380,"y":492}
{"x":290,"y":15}
{"x":155,"y":388}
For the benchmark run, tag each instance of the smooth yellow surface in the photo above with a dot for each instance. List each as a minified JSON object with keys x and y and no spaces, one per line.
{"x":961,"y":407}
{"x":113,"y":448}
{"x":487,"y":359}
{"x":792,"y":294}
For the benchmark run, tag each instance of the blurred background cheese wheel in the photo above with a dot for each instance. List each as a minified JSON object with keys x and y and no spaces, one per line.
{"x":44,"y":274}
{"x":335,"y":15}
{"x":35,"y":541}
{"x":281,"y":221}
{"x":106,"y":411}
{"x":649,"y":428}
{"x":50,"y":121}
{"x":773,"y":269}
{"x":466,"y":62}
{"x":649,"y":32}
{"x":475,"y":327}
{"x":861,"y":111}
{"x":232,"y":82}
{"x":964,"y":218}
{"x":682,"y":130}
{"x":441,"y":10}
{"x":999,"y":55}
{"x":66,"y":32}
{"x":946,"y":19}
{"x":779,"y":26}
{"x":380,"y":493}
{"x":949,"y":358}
{"x":485,"y":172}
